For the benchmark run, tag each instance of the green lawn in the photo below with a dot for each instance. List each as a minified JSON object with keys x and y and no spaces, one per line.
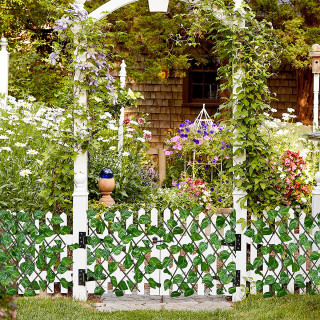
{"x":290,"y":307}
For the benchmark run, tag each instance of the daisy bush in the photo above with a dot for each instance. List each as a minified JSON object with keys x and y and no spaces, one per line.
{"x":24,"y":134}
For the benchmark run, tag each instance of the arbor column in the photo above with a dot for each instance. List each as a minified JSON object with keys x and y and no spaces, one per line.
{"x":4,"y":69}
{"x":80,"y":194}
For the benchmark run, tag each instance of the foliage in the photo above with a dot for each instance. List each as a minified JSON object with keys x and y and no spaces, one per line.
{"x":296,"y":25}
{"x":282,"y":261}
{"x":21,"y":237}
{"x":134,"y":175}
{"x":7,"y":307}
{"x":138,"y":266}
{"x":24,"y":135}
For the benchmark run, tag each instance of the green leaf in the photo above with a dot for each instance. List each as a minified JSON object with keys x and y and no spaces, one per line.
{"x":259,"y":285}
{"x":203,"y":246}
{"x":272,"y":263}
{"x":265,"y":250}
{"x":232,"y":290}
{"x":155,"y":262}
{"x":56,"y":219}
{"x":166,"y":262}
{"x":11,"y":291}
{"x":211,"y":258}
{"x":125,"y":214}
{"x":118,"y":293}
{"x":230,"y":236}
{"x":284,"y":278}
{"x":122,"y":285}
{"x":266,"y":231}
{"x":257,"y":238}
{"x":314,"y":255}
{"x":177,"y":230}
{"x":171,"y":223}
{"x":214,"y":239}
{"x":308,"y":223}
{"x":188,"y":248}
{"x":109,"y":216}
{"x":268,"y":294}
{"x":257,"y":263}
{"x":112,"y":267}
{"x":224,"y":255}
{"x":249,"y":233}
{"x":207,"y":280}
{"x":270,"y":280}
{"x":62,"y":269}
{"x":117,"y":249}
{"x":196,"y":261}
{"x":167,"y":284}
{"x":175,"y":249}
{"x":153,"y":284}
{"x":272,"y":214}
{"x":295,"y":267}
{"x":293,"y":224}
{"x":128,"y":261}
{"x":204,"y":223}
{"x":196,"y":210}
{"x":184,"y":213}
{"x":301,"y":260}
{"x":287,"y":262}
{"x":221,"y":222}
{"x":65,"y":230}
{"x":281,"y":293}
{"x":29,"y":293}
{"x":99,"y":291}
{"x":65,"y":283}
{"x":284,"y":237}
{"x":50,"y":275}
{"x":188,"y":292}
{"x":144,"y":219}
{"x":196,"y":236}
{"x":66,"y":261}
{"x":259,"y":224}
{"x":293,"y":247}
{"x":175,"y":294}
{"x":37,"y":214}
{"x":317,"y":237}
{"x":27,"y":267}
{"x":177,"y":279}
{"x":284,"y":211}
{"x":299,"y":280}
{"x":182,"y":262}
{"x":113,"y":281}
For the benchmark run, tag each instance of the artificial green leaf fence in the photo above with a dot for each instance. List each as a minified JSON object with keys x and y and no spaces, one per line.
{"x":34,"y":253}
{"x":284,"y":253}
{"x":169,"y":253}
{"x":176,"y":253}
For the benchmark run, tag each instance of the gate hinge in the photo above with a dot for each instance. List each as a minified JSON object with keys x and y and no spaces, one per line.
{"x":236,"y":244}
{"x":82,"y":277}
{"x":83,"y":240}
{"x":236,"y":280}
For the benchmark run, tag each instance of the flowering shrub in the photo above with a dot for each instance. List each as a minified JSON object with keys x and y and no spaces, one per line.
{"x":297,"y":191}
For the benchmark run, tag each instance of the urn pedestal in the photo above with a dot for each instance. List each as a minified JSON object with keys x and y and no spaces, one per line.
{"x":106,"y":185}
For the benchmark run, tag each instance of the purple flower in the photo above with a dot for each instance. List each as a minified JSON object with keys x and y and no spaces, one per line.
{"x":223,"y":143}
{"x":220,"y":129}
{"x":199,"y":160}
{"x":93,"y":82}
{"x":62,"y":23}
{"x":171,"y":146}
{"x":222,"y":148}
{"x":179,"y":131}
{"x":206,"y":167}
{"x":179,"y":154}
{"x":227,"y":181}
{"x":211,"y":131}
{"x":188,"y":130}
{"x":214,"y":161}
{"x":181,"y":125}
{"x":196,"y":141}
{"x":219,"y":199}
{"x":227,"y":146}
{"x":78,"y":11}
{"x":205,"y":133}
{"x":212,"y":189}
{"x":199,"y":131}
{"x":54,"y":56}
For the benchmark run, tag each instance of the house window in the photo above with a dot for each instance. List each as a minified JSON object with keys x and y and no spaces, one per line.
{"x":201,"y":86}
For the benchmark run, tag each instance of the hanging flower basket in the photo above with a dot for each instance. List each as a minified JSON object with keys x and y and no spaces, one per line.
{"x":158,"y":5}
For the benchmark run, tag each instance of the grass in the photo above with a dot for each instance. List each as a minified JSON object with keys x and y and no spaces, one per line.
{"x":292,"y":307}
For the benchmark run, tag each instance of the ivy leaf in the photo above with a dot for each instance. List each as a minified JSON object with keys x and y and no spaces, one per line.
{"x":188,"y":292}
{"x":56,"y":219}
{"x":65,"y":283}
{"x":27,"y":267}
{"x":284,"y":237}
{"x":272,"y":214}
{"x":287,"y":262}
{"x":122,"y":285}
{"x":66,"y":261}
{"x":182,"y":262}
{"x":299,"y":280}
{"x":295,"y":267}
{"x":166,"y":262}
{"x":224,"y":255}
{"x":144,"y":219}
{"x":118,"y":293}
{"x":284,"y":211}
{"x":270,"y":280}
{"x":196,"y":236}
{"x":214,"y":239}
{"x":203,"y":246}
{"x":301,"y":260}
{"x":196,"y":210}
{"x":153,"y":284}
{"x":188,"y":248}
{"x":155,"y":262}
{"x":268,"y":294}
{"x":99,"y":291}
{"x":221,"y":222}
{"x":257,"y":238}
{"x":281,"y":293}
{"x":177,"y":230}
{"x":29,"y":293}
{"x":211,"y":258}
{"x":175,"y":249}
{"x":308,"y":223}
{"x":177,"y":279}
{"x":112,"y":267}
{"x":171,"y":223}
{"x":293,"y":247}
{"x":11,"y":291}
{"x":125,"y":214}
{"x":109,"y":216}
{"x":230,"y":236}
{"x":184,"y":213}
{"x":293,"y":224}
{"x":37,"y":214}
{"x":265,"y":250}
{"x":314,"y":255}
{"x":272,"y":263}
{"x":128,"y":261}
{"x":196,"y":261}
{"x":249,"y":233}
{"x":65,"y":230}
{"x":167,"y":284}
{"x":204,"y":223}
{"x":257,"y":263}
{"x":259,"y":285}
{"x":175,"y":294}
{"x":317,"y":237}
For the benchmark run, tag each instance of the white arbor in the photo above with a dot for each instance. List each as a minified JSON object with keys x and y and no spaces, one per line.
{"x":80,"y":200}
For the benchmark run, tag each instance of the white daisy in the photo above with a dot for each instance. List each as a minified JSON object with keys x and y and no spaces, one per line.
{"x":3,"y":137}
{"x":125,"y":154}
{"x":113,"y":148}
{"x":25,"y":172}
{"x":33,"y":152}
{"x":19,"y":144}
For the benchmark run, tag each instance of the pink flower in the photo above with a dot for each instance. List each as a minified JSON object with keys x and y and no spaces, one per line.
{"x":126,"y":121}
{"x":167,"y":153}
{"x":227,"y":157}
{"x":141,"y":121}
{"x":175,"y":139}
{"x":216,"y":158}
{"x":207,"y":138}
{"x":131,"y":129}
{"x":200,"y":142}
{"x":147,"y":136}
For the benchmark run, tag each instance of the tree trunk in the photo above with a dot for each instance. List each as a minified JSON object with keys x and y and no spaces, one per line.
{"x":305,"y":96}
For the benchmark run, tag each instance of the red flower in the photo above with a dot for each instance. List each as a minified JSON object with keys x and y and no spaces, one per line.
{"x":126,"y":121}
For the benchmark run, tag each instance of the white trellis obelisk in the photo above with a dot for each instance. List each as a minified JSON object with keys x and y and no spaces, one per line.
{"x":123,"y":75}
{"x":4,"y":69}
{"x":315,"y":55}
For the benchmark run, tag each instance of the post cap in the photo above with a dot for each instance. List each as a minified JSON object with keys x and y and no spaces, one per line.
{"x":315,"y":51}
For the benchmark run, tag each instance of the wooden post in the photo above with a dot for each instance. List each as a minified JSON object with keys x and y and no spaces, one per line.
{"x":4,"y":69}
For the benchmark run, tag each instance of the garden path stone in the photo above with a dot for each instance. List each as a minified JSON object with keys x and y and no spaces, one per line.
{"x":134,"y":301}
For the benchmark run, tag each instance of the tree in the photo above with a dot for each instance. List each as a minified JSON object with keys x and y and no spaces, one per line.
{"x":297,"y":26}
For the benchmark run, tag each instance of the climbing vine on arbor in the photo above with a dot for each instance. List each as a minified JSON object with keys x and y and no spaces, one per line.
{"x":247,"y":49}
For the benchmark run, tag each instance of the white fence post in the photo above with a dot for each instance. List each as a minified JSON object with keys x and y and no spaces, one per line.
{"x":80,"y":195}
{"x":123,"y":74}
{"x":4,"y":68}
